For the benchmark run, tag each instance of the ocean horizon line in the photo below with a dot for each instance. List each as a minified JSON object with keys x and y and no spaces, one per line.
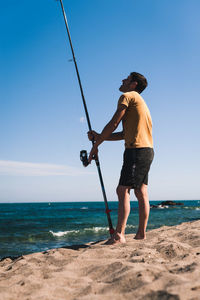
{"x":82,"y":201}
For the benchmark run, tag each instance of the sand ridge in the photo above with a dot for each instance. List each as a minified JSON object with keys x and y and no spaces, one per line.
{"x":165,"y":266}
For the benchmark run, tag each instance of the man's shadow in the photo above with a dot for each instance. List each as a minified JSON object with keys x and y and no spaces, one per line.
{"x":81,"y":246}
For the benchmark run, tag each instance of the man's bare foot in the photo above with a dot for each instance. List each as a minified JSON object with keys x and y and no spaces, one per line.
{"x":140,"y":236}
{"x":117,"y":238}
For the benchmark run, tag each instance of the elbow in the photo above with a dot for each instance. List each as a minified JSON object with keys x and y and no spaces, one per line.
{"x":115,"y":124}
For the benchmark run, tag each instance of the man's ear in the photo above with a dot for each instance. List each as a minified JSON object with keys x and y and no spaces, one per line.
{"x":134,"y":84}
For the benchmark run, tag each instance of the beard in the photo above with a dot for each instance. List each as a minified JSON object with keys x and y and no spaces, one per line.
{"x":121,"y":88}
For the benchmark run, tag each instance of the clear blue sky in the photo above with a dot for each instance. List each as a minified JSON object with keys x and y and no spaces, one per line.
{"x":41,"y":112}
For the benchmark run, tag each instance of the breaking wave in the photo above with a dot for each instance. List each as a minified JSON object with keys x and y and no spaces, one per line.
{"x":83,"y":231}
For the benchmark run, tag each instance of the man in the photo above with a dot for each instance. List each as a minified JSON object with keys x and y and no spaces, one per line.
{"x":138,"y":154}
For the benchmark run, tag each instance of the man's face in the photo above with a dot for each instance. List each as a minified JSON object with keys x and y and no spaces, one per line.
{"x":127,"y":85}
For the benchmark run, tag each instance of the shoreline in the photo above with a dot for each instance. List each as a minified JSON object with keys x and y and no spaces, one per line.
{"x":86,"y":244}
{"x":29,"y":228}
{"x":164,"y":266}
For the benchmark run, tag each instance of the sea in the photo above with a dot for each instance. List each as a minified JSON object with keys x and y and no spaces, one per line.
{"x":34,"y":227}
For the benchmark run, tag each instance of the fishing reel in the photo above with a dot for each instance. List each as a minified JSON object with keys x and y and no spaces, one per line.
{"x":84,"y":158}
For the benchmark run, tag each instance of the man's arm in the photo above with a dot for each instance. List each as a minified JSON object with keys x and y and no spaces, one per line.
{"x":116,"y":136}
{"x":112,"y":125}
{"x":108,"y":130}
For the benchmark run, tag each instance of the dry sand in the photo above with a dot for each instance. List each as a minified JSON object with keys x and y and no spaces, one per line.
{"x":165,"y":266}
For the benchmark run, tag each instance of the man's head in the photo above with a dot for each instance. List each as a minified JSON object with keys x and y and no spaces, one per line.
{"x":134,"y":82}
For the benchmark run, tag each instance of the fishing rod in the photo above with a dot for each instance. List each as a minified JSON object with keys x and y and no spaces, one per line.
{"x":83,"y":153}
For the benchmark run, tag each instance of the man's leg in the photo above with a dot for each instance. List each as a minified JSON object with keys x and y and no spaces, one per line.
{"x":123,"y":193}
{"x":144,"y":208}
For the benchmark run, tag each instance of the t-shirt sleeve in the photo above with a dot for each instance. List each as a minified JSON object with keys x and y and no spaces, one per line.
{"x":123,"y":100}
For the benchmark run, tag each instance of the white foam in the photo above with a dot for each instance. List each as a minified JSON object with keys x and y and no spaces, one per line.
{"x":131,"y":226}
{"x":191,"y":207}
{"x":92,"y":229}
{"x":95,"y":229}
{"x":160,"y":206}
{"x":62,"y":233}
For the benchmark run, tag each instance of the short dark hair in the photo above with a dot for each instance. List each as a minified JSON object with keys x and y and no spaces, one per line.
{"x":141,"y":81}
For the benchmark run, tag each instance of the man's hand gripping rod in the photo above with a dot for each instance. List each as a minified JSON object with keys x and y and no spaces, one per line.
{"x":111,"y":229}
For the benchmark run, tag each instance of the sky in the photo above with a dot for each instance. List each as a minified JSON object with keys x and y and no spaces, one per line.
{"x":42,"y":120}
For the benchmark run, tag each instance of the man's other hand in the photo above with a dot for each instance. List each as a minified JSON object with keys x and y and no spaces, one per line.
{"x":93,"y":135}
{"x":93,"y":153}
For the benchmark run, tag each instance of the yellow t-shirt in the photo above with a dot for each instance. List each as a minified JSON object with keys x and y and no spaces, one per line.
{"x":137,"y":123}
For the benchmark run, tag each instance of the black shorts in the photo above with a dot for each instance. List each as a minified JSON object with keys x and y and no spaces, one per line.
{"x":136,"y":165}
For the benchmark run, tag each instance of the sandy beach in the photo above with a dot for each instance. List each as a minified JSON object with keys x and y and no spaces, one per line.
{"x":164,"y":266}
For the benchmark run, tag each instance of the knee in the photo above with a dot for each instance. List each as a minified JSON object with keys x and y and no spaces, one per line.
{"x":122,"y":190}
{"x":138,"y":193}
{"x":118,"y":190}
{"x":141,"y":192}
